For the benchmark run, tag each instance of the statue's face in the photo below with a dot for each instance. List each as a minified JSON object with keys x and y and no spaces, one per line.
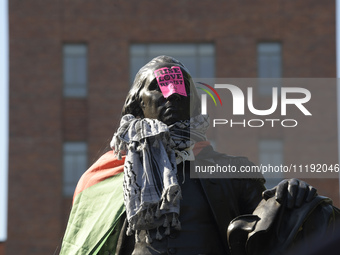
{"x":168,"y":110}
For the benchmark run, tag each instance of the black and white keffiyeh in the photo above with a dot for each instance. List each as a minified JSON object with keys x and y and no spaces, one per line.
{"x":151,"y":189}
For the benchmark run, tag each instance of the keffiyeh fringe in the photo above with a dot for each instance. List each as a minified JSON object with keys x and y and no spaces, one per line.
{"x":151,"y":190}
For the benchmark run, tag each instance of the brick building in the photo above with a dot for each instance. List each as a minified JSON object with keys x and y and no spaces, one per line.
{"x":71,"y":64}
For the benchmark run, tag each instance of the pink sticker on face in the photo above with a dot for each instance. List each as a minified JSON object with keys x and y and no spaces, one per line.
{"x":170,"y":81}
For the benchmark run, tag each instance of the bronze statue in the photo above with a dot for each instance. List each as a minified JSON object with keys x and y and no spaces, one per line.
{"x":162,"y":136}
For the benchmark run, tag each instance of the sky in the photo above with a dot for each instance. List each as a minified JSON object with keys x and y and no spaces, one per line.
{"x":338,"y":46}
{"x":3,"y":117}
{"x":4,"y":108}
{"x":337,"y":10}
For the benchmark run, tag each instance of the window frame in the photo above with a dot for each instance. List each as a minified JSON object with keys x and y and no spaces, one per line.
{"x":73,"y":152}
{"x":75,"y":85}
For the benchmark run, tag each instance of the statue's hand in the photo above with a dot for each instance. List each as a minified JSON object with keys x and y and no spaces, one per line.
{"x":293,"y":190}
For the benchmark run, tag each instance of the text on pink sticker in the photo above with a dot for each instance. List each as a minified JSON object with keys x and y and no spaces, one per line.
{"x":170,"y":81}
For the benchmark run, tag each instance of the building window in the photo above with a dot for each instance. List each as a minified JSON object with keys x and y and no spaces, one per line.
{"x":269,"y":63}
{"x":198,"y":58}
{"x":74,"y":165}
{"x":75,"y":70}
{"x":271,"y":154}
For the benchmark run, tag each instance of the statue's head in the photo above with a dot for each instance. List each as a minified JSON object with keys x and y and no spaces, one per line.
{"x":146,"y":100}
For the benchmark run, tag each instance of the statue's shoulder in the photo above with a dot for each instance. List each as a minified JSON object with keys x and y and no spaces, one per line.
{"x":208,"y":153}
